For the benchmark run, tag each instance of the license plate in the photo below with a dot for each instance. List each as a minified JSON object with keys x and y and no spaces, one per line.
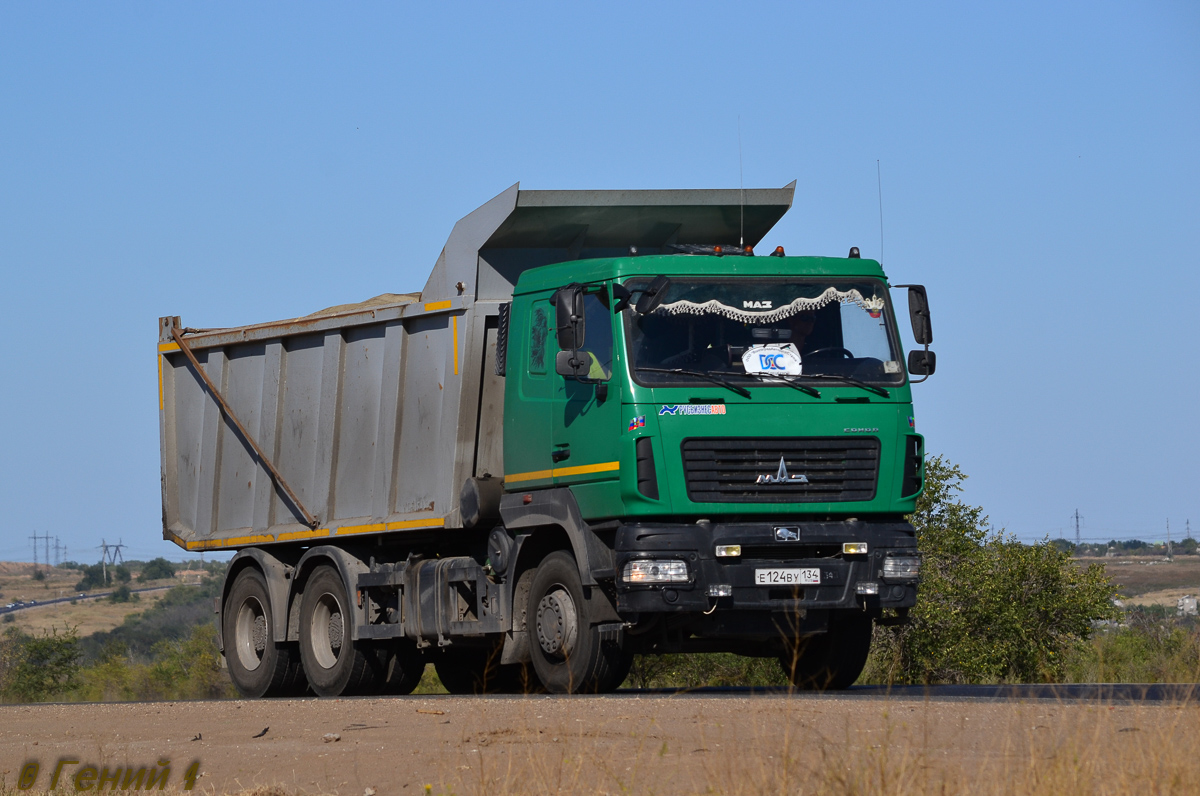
{"x":787,"y":577}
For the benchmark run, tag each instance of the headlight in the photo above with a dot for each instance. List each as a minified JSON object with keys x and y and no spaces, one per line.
{"x":728,"y":550}
{"x":902,"y":567}
{"x":655,"y":571}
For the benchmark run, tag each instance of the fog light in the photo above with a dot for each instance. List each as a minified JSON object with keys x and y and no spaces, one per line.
{"x":854,"y":549}
{"x":728,"y":550}
{"x":902,"y":567}
{"x":655,"y":571}
{"x":720,"y":590}
{"x":867,"y":587}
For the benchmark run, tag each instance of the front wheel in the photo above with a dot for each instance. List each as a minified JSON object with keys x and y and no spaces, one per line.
{"x":833,"y":659}
{"x":333,"y":663}
{"x":258,"y":666}
{"x":567,"y":652}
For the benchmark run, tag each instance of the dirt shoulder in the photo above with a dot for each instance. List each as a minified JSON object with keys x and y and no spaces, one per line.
{"x":609,"y":744}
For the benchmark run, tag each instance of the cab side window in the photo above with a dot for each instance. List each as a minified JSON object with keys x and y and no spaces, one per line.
{"x":538,"y":326}
{"x":598,"y":340}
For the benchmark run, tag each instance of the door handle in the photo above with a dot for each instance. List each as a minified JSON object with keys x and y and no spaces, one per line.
{"x":561,"y":455}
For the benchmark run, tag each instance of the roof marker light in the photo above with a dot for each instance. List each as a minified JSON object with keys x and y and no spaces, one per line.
{"x":778,"y":252}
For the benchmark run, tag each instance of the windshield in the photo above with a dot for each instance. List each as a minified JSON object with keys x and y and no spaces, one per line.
{"x":765,"y":329}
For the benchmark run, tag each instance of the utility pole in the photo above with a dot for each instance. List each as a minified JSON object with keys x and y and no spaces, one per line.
{"x":1170,"y":557}
{"x":104,"y":560}
{"x":45,"y":538}
{"x":1077,"y":539}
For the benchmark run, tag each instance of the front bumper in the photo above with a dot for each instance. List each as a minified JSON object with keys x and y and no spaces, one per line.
{"x":818,"y":545}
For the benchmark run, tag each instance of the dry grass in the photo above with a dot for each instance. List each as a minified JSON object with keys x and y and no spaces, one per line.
{"x":87,"y":616}
{"x":1141,"y":575}
{"x":1031,"y":749}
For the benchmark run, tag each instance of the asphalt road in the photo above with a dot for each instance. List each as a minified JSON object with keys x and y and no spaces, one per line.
{"x":4,"y":609}
{"x":1060,"y":692}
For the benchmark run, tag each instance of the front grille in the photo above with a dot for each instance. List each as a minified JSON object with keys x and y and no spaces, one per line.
{"x":728,"y":470}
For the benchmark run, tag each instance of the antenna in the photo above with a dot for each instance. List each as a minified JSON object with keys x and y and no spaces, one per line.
{"x":879,"y":186}
{"x":741,"y":190}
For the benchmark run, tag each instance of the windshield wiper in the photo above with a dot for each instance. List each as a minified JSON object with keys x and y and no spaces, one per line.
{"x":789,"y":382}
{"x":848,"y":380}
{"x":742,"y":391}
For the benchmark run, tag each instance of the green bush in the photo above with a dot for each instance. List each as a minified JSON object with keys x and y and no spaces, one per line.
{"x":188,"y":668}
{"x":1148,"y":647}
{"x":157,"y":569}
{"x":94,"y":576}
{"x":989,"y":608}
{"x":37,"y":668}
{"x":121,"y":594}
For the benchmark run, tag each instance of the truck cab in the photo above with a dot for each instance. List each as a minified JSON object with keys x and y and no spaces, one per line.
{"x":737,"y":430}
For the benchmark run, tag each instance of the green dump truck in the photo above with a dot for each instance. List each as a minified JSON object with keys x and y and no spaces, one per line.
{"x":606,"y":426}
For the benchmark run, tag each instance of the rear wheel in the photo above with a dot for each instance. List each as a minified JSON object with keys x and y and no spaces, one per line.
{"x":567,"y":652}
{"x":333,"y":663}
{"x":258,"y":666}
{"x":830,"y":660}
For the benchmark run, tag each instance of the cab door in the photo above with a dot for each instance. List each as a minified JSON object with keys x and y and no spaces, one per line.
{"x":586,"y":416}
{"x":530,"y":395}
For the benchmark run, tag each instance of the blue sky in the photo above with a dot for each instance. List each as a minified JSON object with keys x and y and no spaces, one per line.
{"x":235,"y":163}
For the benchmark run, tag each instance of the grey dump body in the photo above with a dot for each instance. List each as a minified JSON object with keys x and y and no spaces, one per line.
{"x":375,"y":416}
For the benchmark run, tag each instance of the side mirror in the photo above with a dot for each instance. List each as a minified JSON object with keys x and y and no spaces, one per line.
{"x":653,"y":295}
{"x":572,"y":364}
{"x":922,"y":363}
{"x":622,"y":296}
{"x":918,"y":312}
{"x":568,"y":314}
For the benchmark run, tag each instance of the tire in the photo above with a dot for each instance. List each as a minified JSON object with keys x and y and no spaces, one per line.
{"x":567,"y":653}
{"x":832,"y":660}
{"x":402,"y":667}
{"x":258,"y":666}
{"x":334,"y":665}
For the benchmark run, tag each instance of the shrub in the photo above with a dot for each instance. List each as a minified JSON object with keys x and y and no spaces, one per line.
{"x":94,"y":576}
{"x":157,"y":569}
{"x":121,"y":594}
{"x":37,"y":668}
{"x":989,"y":608}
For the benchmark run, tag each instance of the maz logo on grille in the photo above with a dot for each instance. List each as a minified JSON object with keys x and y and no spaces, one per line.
{"x":781,"y":476}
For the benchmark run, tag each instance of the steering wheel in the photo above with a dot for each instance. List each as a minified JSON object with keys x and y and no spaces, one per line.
{"x":832,"y":350}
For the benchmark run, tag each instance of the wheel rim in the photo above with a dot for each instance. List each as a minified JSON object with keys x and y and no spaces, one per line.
{"x":557,"y":623}
{"x":250,"y":631}
{"x":327,"y":630}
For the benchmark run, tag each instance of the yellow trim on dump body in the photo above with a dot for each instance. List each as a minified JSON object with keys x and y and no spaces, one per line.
{"x":557,"y":472}
{"x":291,"y":536}
{"x":163,"y":348}
{"x":438,"y":305}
